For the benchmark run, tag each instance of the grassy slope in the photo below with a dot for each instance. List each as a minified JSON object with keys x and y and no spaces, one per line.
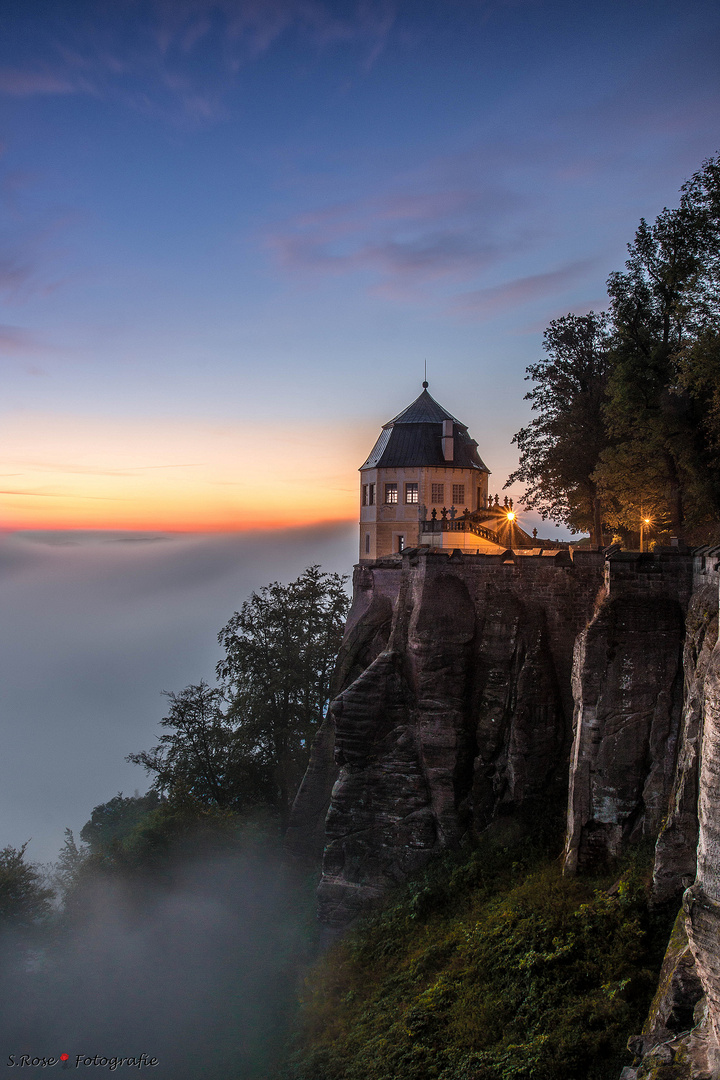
{"x":490,"y":966}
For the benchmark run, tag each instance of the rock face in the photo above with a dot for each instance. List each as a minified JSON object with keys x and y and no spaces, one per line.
{"x":677,"y":1007}
{"x":366,"y":634}
{"x":702,"y":901}
{"x":456,"y":685}
{"x":627,"y":685}
{"x":676,"y":856}
{"x":462,"y":718}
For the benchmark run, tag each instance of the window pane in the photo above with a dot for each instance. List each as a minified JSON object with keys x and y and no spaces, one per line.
{"x":391,"y":493}
{"x":458,"y":494}
{"x":367,"y":543}
{"x":371,"y":494}
{"x":365,"y":495}
{"x":437,"y":494}
{"x":411,"y":493}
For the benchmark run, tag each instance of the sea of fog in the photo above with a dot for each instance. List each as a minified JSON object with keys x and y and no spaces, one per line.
{"x":94,"y":627}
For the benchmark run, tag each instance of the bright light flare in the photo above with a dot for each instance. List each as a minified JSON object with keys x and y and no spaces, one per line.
{"x":510,"y":515}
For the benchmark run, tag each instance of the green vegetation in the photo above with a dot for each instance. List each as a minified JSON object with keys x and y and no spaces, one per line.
{"x":489,"y":966}
{"x":180,"y":921}
{"x":247,"y":742}
{"x":560,"y":449}
{"x":628,"y":406}
{"x":25,"y":900}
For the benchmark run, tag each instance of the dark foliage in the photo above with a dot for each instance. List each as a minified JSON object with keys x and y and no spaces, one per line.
{"x":280,"y":653}
{"x":489,"y":966}
{"x":561,"y":447}
{"x":24,"y":898}
{"x":628,"y":425}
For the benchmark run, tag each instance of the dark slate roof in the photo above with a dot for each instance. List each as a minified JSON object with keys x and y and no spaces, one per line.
{"x":424,"y":410}
{"x":414,"y":438}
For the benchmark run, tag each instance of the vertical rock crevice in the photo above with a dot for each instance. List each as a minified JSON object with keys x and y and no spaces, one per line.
{"x":676,"y":850}
{"x":627,"y":684}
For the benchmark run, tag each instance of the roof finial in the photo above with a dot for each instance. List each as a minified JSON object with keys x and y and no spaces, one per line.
{"x":425,"y":383}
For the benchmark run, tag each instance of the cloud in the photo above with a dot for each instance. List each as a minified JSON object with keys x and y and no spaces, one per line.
{"x":56,"y":466}
{"x":405,"y":238}
{"x":145,"y":54}
{"x":15,"y":271}
{"x":61,"y":495}
{"x":19,"y":83}
{"x":257,"y":24}
{"x":499,"y":298}
{"x":14,"y":339}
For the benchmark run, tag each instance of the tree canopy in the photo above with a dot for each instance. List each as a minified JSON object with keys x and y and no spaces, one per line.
{"x":24,"y":898}
{"x":560,"y":448}
{"x":246,"y":742}
{"x":280,"y":653}
{"x":628,"y":403}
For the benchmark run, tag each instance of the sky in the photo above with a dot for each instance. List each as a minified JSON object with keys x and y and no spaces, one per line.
{"x":233,"y":231}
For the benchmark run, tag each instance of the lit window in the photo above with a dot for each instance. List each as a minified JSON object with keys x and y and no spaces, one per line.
{"x":437,"y":494}
{"x":365,"y":495}
{"x":411,"y":493}
{"x":371,"y":494}
{"x":391,"y":493}
{"x":367,"y":543}
{"x":400,"y":543}
{"x":458,"y":494}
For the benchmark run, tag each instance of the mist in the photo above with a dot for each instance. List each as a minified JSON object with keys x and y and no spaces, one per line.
{"x":95,"y":626}
{"x":195,"y":967}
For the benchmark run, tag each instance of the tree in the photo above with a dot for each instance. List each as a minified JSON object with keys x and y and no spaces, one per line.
{"x":699,"y":359}
{"x":24,"y":900}
{"x":280,"y":652}
{"x":247,"y":742}
{"x":561,"y":446}
{"x":112,"y":821}
{"x":202,"y":756}
{"x":665,"y":317}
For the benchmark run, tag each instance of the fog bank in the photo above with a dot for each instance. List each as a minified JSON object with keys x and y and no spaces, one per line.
{"x":95,"y":626}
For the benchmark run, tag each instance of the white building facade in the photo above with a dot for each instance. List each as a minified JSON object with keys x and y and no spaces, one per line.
{"x":424,"y":468}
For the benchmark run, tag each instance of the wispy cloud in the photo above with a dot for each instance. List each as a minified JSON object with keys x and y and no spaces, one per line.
{"x":61,"y":495}
{"x":14,"y":339}
{"x":144,"y":54}
{"x":405,"y":239}
{"x":56,"y":466}
{"x":491,"y":301}
{"x":25,"y":83}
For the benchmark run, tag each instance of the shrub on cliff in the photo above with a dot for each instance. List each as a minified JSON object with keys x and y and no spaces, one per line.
{"x":491,"y":968}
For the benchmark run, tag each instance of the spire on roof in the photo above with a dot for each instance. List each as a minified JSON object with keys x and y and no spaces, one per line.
{"x":424,"y":410}
{"x":414,"y":438}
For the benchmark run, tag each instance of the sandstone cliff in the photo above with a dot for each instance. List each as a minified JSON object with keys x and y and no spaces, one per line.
{"x":461,"y":717}
{"x":472,"y":690}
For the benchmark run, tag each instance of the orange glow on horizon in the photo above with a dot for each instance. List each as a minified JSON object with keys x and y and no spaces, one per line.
{"x":175,"y":475}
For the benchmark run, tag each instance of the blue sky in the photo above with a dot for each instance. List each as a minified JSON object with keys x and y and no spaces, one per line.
{"x":266,"y":214}
{"x":231,"y":235}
